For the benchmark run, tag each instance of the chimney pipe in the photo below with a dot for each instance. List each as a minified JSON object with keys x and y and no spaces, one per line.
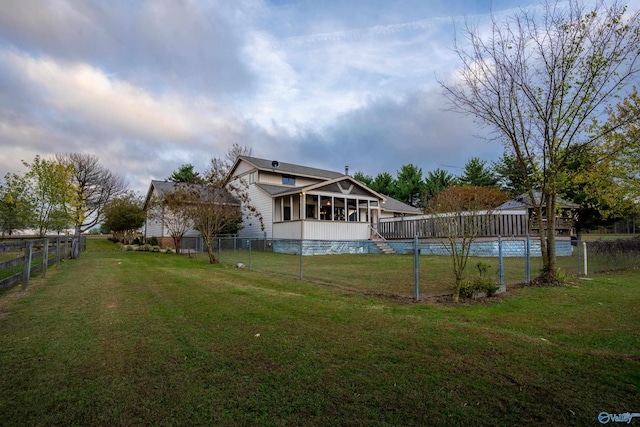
{"x":346,"y":170}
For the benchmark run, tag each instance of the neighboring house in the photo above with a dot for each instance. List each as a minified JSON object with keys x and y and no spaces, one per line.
{"x":300,"y":202}
{"x":566,"y":215}
{"x":154,"y":226}
{"x":160,"y":222}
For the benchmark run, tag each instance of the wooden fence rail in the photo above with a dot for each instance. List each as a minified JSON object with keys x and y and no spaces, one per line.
{"x":39,"y":254}
{"x":493,"y":224}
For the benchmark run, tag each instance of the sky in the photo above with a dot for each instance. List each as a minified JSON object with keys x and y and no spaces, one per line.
{"x":147,"y":86}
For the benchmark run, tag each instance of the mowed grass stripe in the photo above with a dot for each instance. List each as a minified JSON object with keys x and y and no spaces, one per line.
{"x":122,"y":338}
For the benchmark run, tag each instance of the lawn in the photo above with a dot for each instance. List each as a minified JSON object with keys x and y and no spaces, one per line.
{"x":128,"y":338}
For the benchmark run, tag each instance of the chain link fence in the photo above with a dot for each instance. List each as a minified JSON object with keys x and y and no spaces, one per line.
{"x":364,"y":269}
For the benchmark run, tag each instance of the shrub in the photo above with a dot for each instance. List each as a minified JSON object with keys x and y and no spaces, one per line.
{"x":476,"y":286}
{"x":169,"y":251}
{"x":155,"y":248}
{"x":481,"y":284}
{"x":129,"y":248}
{"x":119,"y":246}
{"x":153,"y":241}
{"x":145,"y":248}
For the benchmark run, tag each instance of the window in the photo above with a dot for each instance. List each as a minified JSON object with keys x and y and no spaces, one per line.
{"x":288,"y":180}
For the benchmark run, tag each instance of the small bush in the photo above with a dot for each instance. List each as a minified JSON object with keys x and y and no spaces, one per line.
{"x":169,"y":251}
{"x":129,"y":248}
{"x":155,"y":248}
{"x":153,"y":241}
{"x":119,"y":246}
{"x":476,"y":286}
{"x":145,"y":248}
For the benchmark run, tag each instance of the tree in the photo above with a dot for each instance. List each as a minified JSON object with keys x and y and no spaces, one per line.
{"x":123,"y":215}
{"x":50,"y":187}
{"x":435,"y":182}
{"x":458,"y":213}
{"x":539,"y":83}
{"x":185,"y":173}
{"x":617,"y":159}
{"x":219,"y":205}
{"x":477,"y":174}
{"x":384,"y":184}
{"x":409,"y":185}
{"x":510,"y":176}
{"x":172,"y":210}
{"x":16,"y":207}
{"x":222,"y":166}
{"x":94,"y":185}
{"x":363,"y":178}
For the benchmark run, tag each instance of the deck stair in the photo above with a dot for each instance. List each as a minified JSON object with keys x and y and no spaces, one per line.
{"x":384,"y":247}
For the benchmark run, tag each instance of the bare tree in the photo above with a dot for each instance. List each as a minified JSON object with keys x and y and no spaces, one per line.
{"x":539,"y":81}
{"x":94,"y":185}
{"x":459,"y":214}
{"x":221,"y":202}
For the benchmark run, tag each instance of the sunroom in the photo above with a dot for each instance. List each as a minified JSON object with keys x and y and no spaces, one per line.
{"x":336,"y":210}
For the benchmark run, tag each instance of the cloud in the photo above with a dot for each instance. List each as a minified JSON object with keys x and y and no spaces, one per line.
{"x":389,"y":134}
{"x":193,"y":45}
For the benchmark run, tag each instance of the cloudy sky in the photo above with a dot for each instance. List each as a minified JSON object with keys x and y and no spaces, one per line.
{"x":149,"y":85}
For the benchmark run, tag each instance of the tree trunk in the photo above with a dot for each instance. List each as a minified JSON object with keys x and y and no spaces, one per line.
{"x":212,"y":256}
{"x":75,"y":247}
{"x":549,"y":266}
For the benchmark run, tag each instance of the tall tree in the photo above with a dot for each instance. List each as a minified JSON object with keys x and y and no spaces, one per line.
{"x":538,"y":82}
{"x":94,"y":185}
{"x":16,"y":207}
{"x":510,"y":176}
{"x":617,"y":159}
{"x":363,"y":178}
{"x":186,"y":173}
{"x":476,"y":173}
{"x":409,"y":185}
{"x":221,"y":166}
{"x":384,"y":184}
{"x":435,"y":182}
{"x":51,"y":190}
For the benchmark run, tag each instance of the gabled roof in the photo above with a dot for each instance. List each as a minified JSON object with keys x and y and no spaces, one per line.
{"x":287,"y":168}
{"x":328,"y":177}
{"x":393,"y":205}
{"x":166,"y":187}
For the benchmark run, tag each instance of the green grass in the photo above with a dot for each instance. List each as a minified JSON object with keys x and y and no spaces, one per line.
{"x":127,"y":338}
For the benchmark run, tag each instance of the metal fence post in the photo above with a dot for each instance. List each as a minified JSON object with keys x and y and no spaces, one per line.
{"x":219,"y":250}
{"x":416,"y":268}
{"x":527,"y":261}
{"x":584,"y":245}
{"x":249,"y":243}
{"x":501,"y":266}
{"x":578,"y":249}
{"x":300,"y":259}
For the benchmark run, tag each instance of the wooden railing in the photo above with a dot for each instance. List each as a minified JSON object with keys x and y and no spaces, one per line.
{"x":486,"y":224}
{"x":38,"y":255}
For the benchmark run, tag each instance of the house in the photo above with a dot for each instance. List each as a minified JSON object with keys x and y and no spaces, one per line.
{"x":300,"y":202}
{"x":566,"y":215}
{"x":163,"y":224}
